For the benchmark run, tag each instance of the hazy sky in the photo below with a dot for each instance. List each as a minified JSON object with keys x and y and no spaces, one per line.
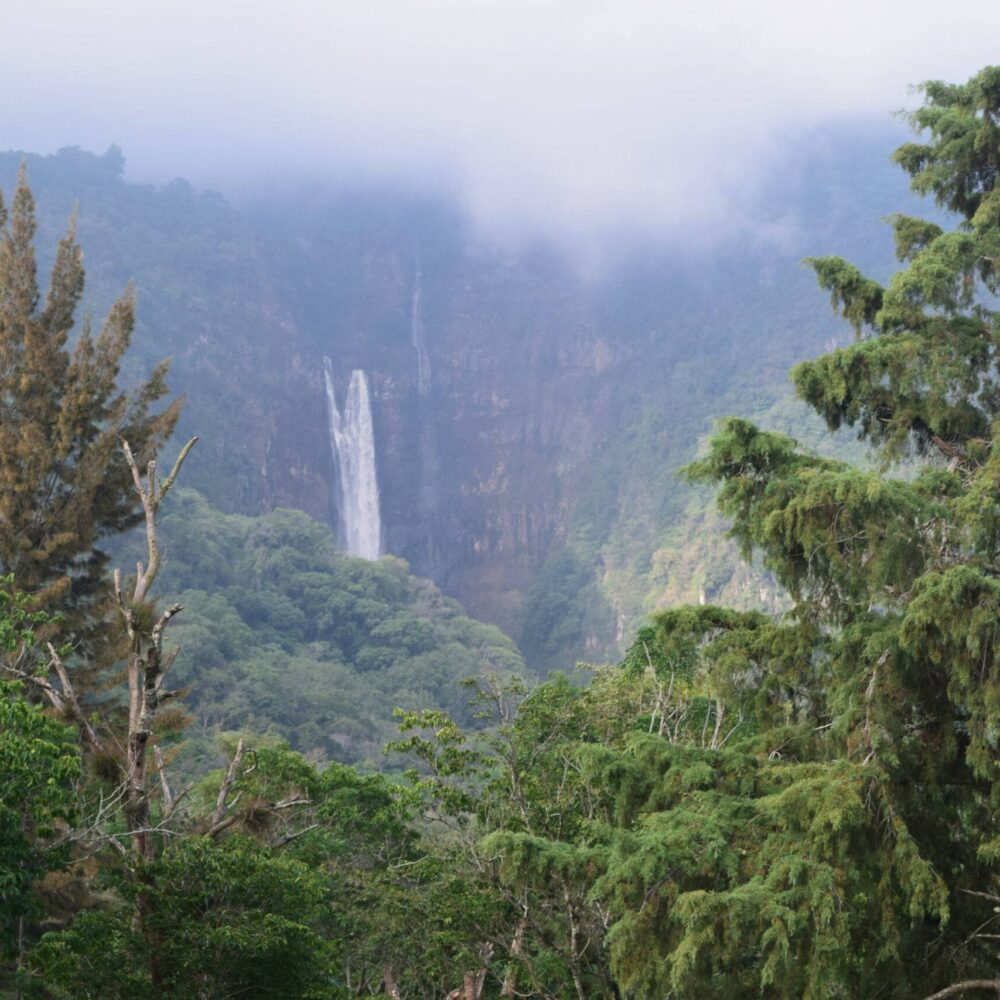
{"x":551,"y":116}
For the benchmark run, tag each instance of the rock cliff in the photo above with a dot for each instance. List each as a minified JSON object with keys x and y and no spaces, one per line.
{"x":529,"y":419}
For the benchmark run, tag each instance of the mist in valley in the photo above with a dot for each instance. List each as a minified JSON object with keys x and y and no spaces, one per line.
{"x":545,"y":612}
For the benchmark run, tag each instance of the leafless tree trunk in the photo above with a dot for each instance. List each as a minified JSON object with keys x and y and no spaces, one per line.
{"x":146,"y":670}
{"x":516,"y":947}
{"x":574,"y":943}
{"x":969,"y":985}
{"x":147,"y":667}
{"x":389,"y":982}
{"x":473,"y":983}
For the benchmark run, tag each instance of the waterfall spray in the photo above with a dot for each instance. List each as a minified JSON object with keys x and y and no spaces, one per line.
{"x":352,"y":442}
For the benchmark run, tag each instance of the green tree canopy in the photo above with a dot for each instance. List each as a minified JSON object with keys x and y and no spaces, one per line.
{"x":39,"y":763}
{"x":803,"y":806}
{"x":858,"y":825}
{"x":63,"y":484}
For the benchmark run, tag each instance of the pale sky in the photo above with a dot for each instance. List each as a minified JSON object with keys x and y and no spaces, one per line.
{"x":551,"y":117}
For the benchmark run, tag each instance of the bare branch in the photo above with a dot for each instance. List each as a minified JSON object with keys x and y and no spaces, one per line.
{"x":720,"y":714}
{"x":169,"y":481}
{"x":168,"y":798}
{"x":981,"y":895}
{"x":165,"y":664}
{"x":157,"y":635}
{"x":119,"y":847}
{"x":290,"y":803}
{"x":112,"y":838}
{"x":136,"y":477}
{"x":964,"y":987}
{"x":151,"y":499}
{"x":219,"y":816}
{"x":217,"y":828}
{"x":289,"y":837}
{"x":55,"y":698}
{"x":87,"y":731}
{"x":183,"y":793}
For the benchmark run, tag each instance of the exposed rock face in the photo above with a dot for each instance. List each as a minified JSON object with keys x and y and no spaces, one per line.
{"x":505,"y":392}
{"x":298,"y":470}
{"x":528,"y":422}
{"x":491,"y":388}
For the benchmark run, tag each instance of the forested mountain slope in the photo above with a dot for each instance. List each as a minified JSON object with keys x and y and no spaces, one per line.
{"x":282,"y":633}
{"x":801,"y":806}
{"x":530,"y":471}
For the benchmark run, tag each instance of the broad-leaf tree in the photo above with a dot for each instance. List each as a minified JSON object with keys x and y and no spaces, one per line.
{"x":39,"y":765}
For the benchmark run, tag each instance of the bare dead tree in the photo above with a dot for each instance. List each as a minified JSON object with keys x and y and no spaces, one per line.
{"x":147,"y":668}
{"x":473,"y":983}
{"x":968,"y":986}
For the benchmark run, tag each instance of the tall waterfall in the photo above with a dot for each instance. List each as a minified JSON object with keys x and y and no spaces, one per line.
{"x":418,"y":336}
{"x":426,"y":422}
{"x":352,"y":441}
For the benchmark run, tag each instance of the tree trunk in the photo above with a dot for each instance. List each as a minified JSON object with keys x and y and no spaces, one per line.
{"x":516,"y":947}
{"x":389,"y":982}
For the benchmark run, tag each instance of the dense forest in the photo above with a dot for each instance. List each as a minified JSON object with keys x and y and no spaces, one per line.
{"x":534,"y":477}
{"x":791,"y":797}
{"x":282,"y":633}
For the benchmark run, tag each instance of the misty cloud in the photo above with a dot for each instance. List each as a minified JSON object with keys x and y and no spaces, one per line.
{"x":572,"y":118}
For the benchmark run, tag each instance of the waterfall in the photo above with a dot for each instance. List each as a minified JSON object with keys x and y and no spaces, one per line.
{"x":352,"y":441}
{"x":418,"y":337}
{"x":427,"y":502}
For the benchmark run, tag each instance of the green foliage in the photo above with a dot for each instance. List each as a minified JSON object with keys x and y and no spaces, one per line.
{"x":63,"y":485}
{"x":282,"y":631}
{"x":39,"y":761}
{"x":783,"y":504}
{"x":222,"y":920}
{"x":518,"y":809}
{"x":554,"y":619}
{"x":803,"y":805}
{"x":729,"y":875}
{"x":868,"y":775}
{"x":39,"y":764}
{"x":923,"y":373}
{"x":786,"y":805}
{"x":391,"y":899}
{"x":200,"y":300}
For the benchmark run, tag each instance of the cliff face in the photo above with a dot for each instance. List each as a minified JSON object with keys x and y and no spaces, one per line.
{"x":486,"y":415}
{"x":527,"y":419}
{"x":528,"y":422}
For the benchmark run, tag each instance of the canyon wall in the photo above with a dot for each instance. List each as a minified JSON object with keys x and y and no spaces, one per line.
{"x":528,"y":418}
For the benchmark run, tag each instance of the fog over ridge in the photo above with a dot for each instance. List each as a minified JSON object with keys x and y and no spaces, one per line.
{"x":581,"y":121}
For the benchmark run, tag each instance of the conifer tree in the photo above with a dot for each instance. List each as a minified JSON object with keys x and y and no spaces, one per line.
{"x":63,"y":483}
{"x":810,"y":808}
{"x":844,"y":842}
